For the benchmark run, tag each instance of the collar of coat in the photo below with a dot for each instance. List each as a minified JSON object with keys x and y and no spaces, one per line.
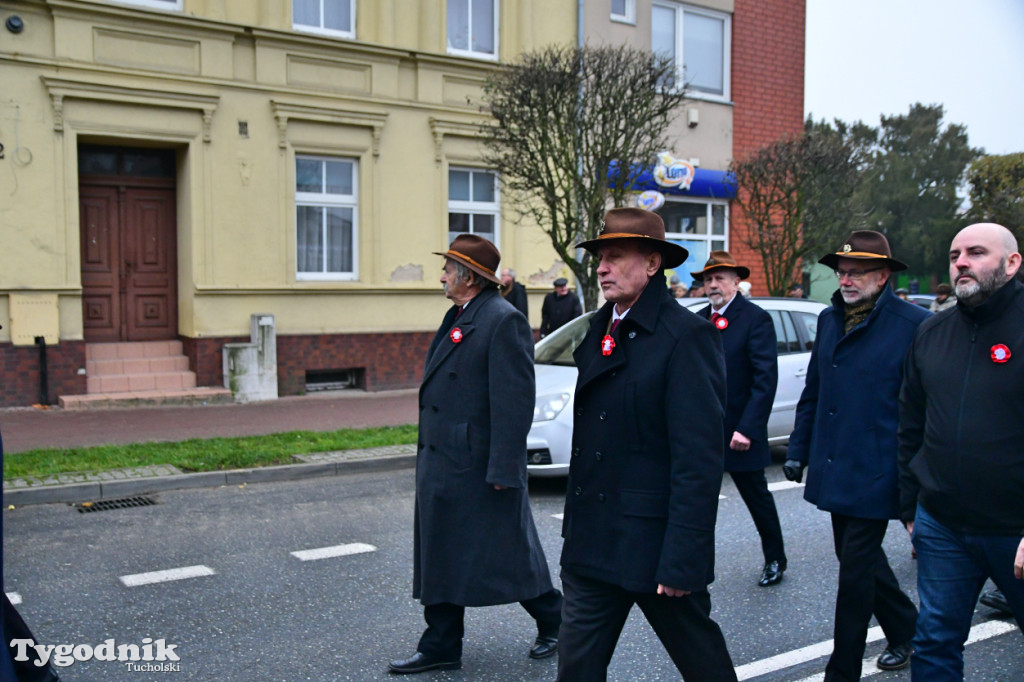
{"x":885,"y":299}
{"x":735,"y":307}
{"x":644,"y":312}
{"x":994,"y":306}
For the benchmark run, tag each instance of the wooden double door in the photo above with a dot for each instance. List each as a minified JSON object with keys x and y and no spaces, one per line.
{"x":129,"y":257}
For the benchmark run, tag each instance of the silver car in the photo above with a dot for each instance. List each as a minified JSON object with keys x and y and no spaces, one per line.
{"x":550,"y":438}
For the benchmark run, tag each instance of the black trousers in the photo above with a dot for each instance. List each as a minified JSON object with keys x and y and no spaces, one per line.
{"x":753,"y":488}
{"x":595,"y":612}
{"x":443,"y":637}
{"x":867,"y":586}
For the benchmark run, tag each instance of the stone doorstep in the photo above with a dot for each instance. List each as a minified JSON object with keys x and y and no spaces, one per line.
{"x":209,"y":395}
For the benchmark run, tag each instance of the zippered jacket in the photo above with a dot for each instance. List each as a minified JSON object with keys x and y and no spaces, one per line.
{"x":961,"y":435}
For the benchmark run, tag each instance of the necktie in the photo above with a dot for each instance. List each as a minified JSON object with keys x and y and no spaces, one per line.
{"x":714,"y":317}
{"x":615,"y":325}
{"x":459,"y":312}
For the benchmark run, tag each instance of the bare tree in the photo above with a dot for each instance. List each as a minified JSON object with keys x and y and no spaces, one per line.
{"x":797,"y":196}
{"x":572,"y":129}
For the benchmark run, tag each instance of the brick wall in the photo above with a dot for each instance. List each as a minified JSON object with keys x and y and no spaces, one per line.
{"x":19,"y":372}
{"x":768,"y":94}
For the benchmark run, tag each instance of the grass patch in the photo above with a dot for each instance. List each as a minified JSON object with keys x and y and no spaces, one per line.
{"x":203,"y":454}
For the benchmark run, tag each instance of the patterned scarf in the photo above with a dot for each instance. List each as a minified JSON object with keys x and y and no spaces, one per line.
{"x":855,"y":314}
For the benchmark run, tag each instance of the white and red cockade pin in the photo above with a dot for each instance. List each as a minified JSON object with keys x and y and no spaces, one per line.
{"x":456,"y":335}
{"x":1000,"y":353}
{"x":721,"y":323}
{"x":607,"y":344}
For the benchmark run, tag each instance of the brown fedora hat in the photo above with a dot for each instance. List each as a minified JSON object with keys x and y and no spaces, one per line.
{"x":476,"y":253}
{"x":864,"y":245}
{"x":721,"y":260}
{"x":638,"y":224}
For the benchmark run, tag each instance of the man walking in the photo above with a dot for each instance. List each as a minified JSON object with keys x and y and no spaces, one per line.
{"x":475,"y":543}
{"x":639,"y":523}
{"x":514,"y":292}
{"x":961,"y":462}
{"x":752,"y":374}
{"x":845,"y":431}
{"x":559,"y":307}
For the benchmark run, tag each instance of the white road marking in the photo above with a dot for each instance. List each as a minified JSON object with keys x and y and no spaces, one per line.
{"x":330,"y":552}
{"x":14,"y":597}
{"x":979,"y":632}
{"x":558,"y":516}
{"x":784,"y":485}
{"x":166,"y":576}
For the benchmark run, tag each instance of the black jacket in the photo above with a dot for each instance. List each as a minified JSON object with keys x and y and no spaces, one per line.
{"x":644,"y":475}
{"x":557,"y":310}
{"x":517,"y":297}
{"x":961,"y":435}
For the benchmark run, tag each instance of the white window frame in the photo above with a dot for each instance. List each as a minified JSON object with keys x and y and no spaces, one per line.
{"x":166,"y":5}
{"x":470,"y":52}
{"x":321,"y":29}
{"x":325,"y":200}
{"x":681,"y":10}
{"x":491,"y":208}
{"x":629,"y":17}
{"x":707,"y":237}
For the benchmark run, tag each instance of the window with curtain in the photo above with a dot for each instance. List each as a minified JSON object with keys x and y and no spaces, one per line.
{"x":325,"y":218}
{"x":473,"y":28}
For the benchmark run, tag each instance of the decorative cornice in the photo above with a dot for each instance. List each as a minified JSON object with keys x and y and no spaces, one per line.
{"x":440,"y":127}
{"x":285,"y":111}
{"x":62,"y":88}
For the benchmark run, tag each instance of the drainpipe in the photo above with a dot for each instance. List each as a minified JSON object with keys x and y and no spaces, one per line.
{"x":44,"y":394}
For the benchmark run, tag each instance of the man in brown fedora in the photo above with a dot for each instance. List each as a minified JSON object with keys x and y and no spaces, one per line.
{"x":639,"y":524}
{"x":845,"y":433}
{"x":475,"y":543}
{"x":752,"y":375}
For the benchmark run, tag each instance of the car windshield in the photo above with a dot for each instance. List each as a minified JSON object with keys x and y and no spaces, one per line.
{"x":557,"y":347}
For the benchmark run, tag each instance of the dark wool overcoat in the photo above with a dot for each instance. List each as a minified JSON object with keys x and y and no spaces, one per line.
{"x":846,"y":420}
{"x":474,"y":545}
{"x":751,"y":377}
{"x":644,"y":476}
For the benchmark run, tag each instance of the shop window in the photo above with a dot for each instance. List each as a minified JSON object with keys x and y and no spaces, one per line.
{"x":473,"y":28}
{"x":698,"y":40}
{"x":331,"y":17}
{"x":326,"y":218}
{"x":699,"y":226}
{"x":473,"y":206}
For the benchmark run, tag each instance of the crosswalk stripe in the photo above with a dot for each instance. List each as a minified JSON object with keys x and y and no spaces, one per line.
{"x":335,"y":551}
{"x":14,"y":598}
{"x":168,"y":575}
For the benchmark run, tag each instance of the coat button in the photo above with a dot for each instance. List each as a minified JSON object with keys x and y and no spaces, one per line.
{"x":603,"y":416}
{"x":420,"y":444}
{"x":600,"y":497}
{"x":831,"y":411}
{"x":835,"y":364}
{"x":575,"y":452}
{"x":579,"y":411}
{"x":579,"y":490}
{"x":632,"y":335}
{"x":598,"y":456}
{"x":434,"y":408}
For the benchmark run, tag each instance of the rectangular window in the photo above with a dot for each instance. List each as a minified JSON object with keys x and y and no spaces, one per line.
{"x":330,"y":17}
{"x":326,"y":212}
{"x":171,"y":5}
{"x":473,"y":28}
{"x":624,"y":11}
{"x":699,"y":226}
{"x":473,"y":203}
{"x":699,"y":41}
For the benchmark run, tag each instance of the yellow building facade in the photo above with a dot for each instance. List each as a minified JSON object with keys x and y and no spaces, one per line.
{"x":172,"y":167}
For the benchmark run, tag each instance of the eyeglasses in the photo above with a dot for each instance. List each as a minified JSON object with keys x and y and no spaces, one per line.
{"x":854,"y":274}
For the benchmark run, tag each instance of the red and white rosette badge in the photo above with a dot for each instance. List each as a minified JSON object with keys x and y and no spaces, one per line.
{"x":456,"y":335}
{"x":607,"y":344}
{"x":1000,"y":353}
{"x":721,"y":323}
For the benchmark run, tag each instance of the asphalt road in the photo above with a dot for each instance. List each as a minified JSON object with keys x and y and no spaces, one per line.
{"x":262,"y":614}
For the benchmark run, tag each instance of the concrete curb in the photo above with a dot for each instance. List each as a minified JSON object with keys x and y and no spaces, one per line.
{"x":81,"y":492}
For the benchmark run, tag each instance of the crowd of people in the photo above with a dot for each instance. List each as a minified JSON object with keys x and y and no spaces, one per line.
{"x":905,"y":415}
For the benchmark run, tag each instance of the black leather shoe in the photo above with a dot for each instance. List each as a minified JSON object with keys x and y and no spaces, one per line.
{"x":544,"y":647}
{"x":994,"y":599}
{"x":420,"y":662}
{"x":895,"y":657}
{"x":772,"y":574}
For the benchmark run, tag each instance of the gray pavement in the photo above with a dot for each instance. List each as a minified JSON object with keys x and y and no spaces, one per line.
{"x":29,"y":428}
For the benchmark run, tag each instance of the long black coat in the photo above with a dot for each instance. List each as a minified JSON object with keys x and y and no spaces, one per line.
{"x":752,"y":375}
{"x":644,"y":476}
{"x":474,"y":545}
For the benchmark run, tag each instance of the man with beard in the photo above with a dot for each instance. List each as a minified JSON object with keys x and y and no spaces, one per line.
{"x":845,"y":431}
{"x":752,"y":375}
{"x":474,"y":540}
{"x":961,"y":462}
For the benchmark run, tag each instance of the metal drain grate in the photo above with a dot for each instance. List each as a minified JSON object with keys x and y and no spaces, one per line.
{"x":121,"y":503}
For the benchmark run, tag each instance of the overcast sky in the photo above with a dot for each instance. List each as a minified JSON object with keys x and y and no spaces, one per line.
{"x":874,"y":57}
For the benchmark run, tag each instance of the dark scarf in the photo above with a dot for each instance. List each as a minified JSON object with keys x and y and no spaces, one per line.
{"x":855,"y":314}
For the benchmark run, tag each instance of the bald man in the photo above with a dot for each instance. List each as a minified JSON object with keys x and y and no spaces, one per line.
{"x":961,"y":463}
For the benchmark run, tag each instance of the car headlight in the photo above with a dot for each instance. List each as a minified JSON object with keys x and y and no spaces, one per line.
{"x":549,"y":406}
